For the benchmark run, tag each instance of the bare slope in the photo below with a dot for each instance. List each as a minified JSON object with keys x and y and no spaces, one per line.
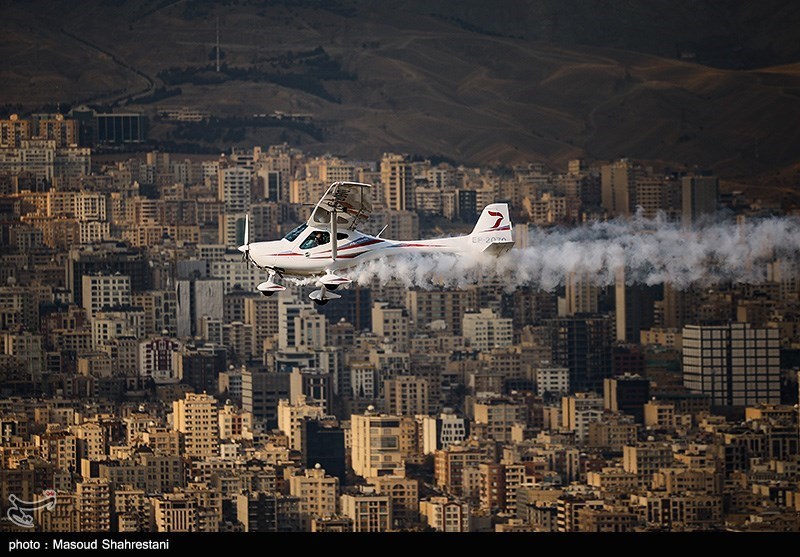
{"x":417,"y":78}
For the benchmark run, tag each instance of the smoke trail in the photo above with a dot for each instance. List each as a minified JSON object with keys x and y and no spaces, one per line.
{"x":651,"y":251}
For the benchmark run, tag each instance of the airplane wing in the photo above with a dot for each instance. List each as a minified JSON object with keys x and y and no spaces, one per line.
{"x":349,"y":200}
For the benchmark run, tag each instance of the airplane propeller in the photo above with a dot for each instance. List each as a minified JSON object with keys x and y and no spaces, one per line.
{"x":245,"y":247}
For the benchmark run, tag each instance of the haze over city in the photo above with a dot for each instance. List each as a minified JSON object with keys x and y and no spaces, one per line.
{"x":631,"y":364}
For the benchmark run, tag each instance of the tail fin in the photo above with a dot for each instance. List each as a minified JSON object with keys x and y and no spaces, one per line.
{"x":493,"y":233}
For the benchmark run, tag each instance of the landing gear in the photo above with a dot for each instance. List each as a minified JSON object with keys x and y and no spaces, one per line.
{"x":270,"y":287}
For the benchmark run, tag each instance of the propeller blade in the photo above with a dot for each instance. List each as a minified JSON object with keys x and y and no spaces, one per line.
{"x":247,"y":230}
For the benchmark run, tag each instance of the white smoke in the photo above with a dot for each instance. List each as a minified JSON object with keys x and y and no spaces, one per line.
{"x":651,"y":251}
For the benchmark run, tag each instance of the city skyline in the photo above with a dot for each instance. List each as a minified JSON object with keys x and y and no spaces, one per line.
{"x":630,"y":365}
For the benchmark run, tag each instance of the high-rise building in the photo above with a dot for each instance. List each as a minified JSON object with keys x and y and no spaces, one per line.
{"x":234,"y":188}
{"x":157,"y":359}
{"x":261,"y":511}
{"x":198,"y":298}
{"x":102,"y":291}
{"x":173,"y":512}
{"x":94,"y":505}
{"x":196,"y":416}
{"x":699,"y":197}
{"x":108,"y":259}
{"x":376,"y":445}
{"x":583,"y":344}
{"x":634,"y":308}
{"x":735,"y":364}
{"x":398,"y":182}
{"x":581,"y":294}
{"x":617,"y":187}
{"x":441,"y":305}
{"x":645,"y":459}
{"x":261,"y":391}
{"x":579,"y":410}
{"x":403,"y":496}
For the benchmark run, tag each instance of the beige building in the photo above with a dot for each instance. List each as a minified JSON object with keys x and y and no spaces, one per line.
{"x":486,"y":330}
{"x":197,"y":418}
{"x":612,"y":432}
{"x":376,"y":445}
{"x":173,"y":512}
{"x":403,"y":495}
{"x":398,"y":182}
{"x":318,"y":494}
{"x":406,"y":395}
{"x":391,"y":323}
{"x":446,"y":515}
{"x":103,"y":291}
{"x":90,"y":440}
{"x":291,"y":417}
{"x":579,"y":410}
{"x":369,"y":512}
{"x":235,"y":423}
{"x":645,"y":459}
{"x":612,"y":480}
{"x":659,"y":414}
{"x":500,"y":415}
{"x":94,"y":505}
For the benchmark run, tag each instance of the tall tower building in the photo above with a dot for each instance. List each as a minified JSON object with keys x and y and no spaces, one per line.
{"x":735,"y":364}
{"x":699,"y":196}
{"x":196,"y":416}
{"x":617,"y":189}
{"x":398,"y":182}
{"x":582,"y":294}
{"x":261,"y":391}
{"x":234,"y":188}
{"x":634,"y":308}
{"x":583,"y":344}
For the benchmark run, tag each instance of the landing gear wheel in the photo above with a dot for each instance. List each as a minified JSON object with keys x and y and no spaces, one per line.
{"x":320,"y":302}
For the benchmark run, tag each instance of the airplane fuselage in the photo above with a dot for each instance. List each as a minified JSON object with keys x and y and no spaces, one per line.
{"x":291,"y":258}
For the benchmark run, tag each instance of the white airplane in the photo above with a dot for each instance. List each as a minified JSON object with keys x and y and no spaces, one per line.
{"x":308,"y":252}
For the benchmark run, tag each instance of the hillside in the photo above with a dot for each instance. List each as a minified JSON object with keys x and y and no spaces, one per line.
{"x":676,"y":82}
